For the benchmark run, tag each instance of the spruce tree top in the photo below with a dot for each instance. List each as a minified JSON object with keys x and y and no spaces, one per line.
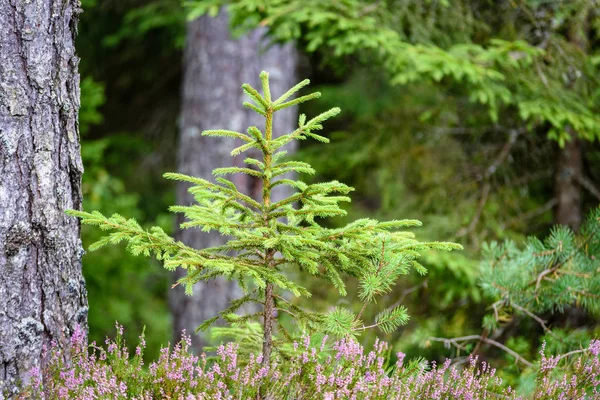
{"x":266,"y":238}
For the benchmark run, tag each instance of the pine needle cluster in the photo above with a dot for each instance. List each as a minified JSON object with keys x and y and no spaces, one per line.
{"x":266,"y":238}
{"x":548,"y":276}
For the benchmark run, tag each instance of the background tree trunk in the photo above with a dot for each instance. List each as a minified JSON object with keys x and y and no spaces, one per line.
{"x":569,"y":168}
{"x":215,"y":66}
{"x":42,"y":291}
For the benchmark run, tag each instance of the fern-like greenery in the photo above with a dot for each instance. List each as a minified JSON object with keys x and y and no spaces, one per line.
{"x":268,"y":237}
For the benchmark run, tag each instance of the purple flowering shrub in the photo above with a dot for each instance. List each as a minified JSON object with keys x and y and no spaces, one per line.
{"x":343,"y":371}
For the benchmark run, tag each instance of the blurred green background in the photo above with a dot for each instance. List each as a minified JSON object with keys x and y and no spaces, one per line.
{"x":427,"y":132}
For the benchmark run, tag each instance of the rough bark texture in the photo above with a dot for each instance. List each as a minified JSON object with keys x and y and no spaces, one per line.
{"x":42,"y":291}
{"x":215,"y":66}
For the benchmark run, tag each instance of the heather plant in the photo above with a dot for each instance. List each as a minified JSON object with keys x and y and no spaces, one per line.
{"x":342,"y":370}
{"x":268,"y":237}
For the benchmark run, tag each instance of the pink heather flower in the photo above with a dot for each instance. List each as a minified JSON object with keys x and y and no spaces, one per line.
{"x":78,"y":337}
{"x":348,"y":372}
{"x":400,"y":356}
{"x":306,"y":342}
{"x":595,"y":347}
{"x":323,"y":342}
{"x":119,"y":329}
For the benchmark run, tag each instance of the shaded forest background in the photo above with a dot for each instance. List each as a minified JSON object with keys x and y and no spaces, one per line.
{"x":472,"y":164}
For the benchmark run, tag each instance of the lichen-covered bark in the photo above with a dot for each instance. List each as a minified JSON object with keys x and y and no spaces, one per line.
{"x":42,"y":291}
{"x":215,"y":66}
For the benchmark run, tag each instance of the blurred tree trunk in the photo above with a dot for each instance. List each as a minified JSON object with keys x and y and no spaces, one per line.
{"x":215,"y":66}
{"x":569,"y":168}
{"x":569,"y":171}
{"x":42,"y":290}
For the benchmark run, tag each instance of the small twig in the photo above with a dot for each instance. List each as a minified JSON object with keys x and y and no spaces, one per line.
{"x":495,"y":307}
{"x":286,"y":311}
{"x":572,"y":353}
{"x":512,"y":139}
{"x":541,"y":74}
{"x":584,"y":293}
{"x":548,"y":271}
{"x":549,"y":205}
{"x":487,"y":186}
{"x":455,"y":341}
{"x":589,"y":185}
{"x":542,"y":274}
{"x":485,"y":334}
{"x":574,"y":273}
{"x":408,"y":291}
{"x":537,"y":319}
{"x":485,"y":193}
{"x":364,"y":328}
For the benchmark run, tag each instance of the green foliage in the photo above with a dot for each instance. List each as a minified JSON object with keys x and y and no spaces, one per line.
{"x":497,"y":74}
{"x":476,"y":78}
{"x":547,"y":276}
{"x":116,"y":283}
{"x":269,"y":238}
{"x":534,"y":291}
{"x":92,"y":98}
{"x":158,"y":14}
{"x":420,"y":147}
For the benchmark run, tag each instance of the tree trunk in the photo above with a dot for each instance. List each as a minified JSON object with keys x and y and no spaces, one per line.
{"x":42,"y":291}
{"x":569,"y":168}
{"x":215,"y":66}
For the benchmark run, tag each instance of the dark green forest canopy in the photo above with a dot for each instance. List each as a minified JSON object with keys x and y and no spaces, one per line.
{"x":499,"y":54}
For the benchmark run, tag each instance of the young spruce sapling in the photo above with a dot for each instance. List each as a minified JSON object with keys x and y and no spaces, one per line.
{"x":268,"y":237}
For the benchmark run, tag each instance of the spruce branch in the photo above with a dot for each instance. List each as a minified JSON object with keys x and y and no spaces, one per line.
{"x":254,"y":95}
{"x":264,"y":79}
{"x":255,"y":108}
{"x":297,"y":101}
{"x":225,"y":133}
{"x":291,"y":92}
